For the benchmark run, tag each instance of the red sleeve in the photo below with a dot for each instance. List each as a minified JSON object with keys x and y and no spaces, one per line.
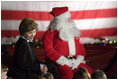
{"x":50,"y":52}
{"x":81,"y":49}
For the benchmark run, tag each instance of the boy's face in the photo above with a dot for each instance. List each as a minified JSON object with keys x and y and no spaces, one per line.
{"x":4,"y":75}
{"x":30,"y":34}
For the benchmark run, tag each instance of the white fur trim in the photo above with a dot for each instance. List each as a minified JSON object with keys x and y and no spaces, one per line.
{"x":62,"y":60}
{"x":64,"y":16}
{"x":84,"y":61}
{"x":80,"y":57}
{"x":71,"y":44}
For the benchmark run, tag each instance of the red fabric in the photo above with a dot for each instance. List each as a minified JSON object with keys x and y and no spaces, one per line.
{"x":90,"y":33}
{"x":56,"y":11}
{"x":97,"y":56}
{"x":55,"y":48}
{"x":67,"y":73}
{"x":100,"y":56}
{"x":85,"y":66}
{"x":10,"y":50}
{"x":44,"y":15}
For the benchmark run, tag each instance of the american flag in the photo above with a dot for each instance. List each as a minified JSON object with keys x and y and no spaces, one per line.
{"x":95,"y":19}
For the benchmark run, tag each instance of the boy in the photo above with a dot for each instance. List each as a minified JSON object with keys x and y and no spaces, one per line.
{"x":82,"y":73}
{"x":98,"y":74}
{"x":25,"y":63}
{"x":47,"y":75}
{"x":4,"y":72}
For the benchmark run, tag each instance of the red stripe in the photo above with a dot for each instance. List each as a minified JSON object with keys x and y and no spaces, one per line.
{"x":38,"y":15}
{"x":99,"y":32}
{"x":18,"y":15}
{"x":85,"y":33}
{"x":89,"y":14}
{"x":14,"y":33}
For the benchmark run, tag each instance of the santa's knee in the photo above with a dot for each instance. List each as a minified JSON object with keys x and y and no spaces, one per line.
{"x":89,"y":69}
{"x":65,"y":72}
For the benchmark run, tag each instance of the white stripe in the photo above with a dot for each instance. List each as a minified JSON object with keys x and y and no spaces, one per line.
{"x":6,"y":40}
{"x":71,"y":44}
{"x":47,"y":6}
{"x":14,"y":25}
{"x":81,"y":24}
{"x":96,"y":23}
{"x":10,"y":24}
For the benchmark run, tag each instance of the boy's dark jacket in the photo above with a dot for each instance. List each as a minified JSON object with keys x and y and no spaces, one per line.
{"x":25,"y":62}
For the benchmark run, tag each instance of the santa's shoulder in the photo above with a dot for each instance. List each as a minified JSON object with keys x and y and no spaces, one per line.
{"x":49,"y":32}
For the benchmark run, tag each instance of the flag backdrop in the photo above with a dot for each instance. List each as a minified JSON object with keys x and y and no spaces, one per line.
{"x":95,"y":19}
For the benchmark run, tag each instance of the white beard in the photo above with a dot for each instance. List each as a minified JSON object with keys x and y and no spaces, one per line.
{"x":67,"y":30}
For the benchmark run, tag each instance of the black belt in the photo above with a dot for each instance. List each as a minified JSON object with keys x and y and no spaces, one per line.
{"x":70,"y":57}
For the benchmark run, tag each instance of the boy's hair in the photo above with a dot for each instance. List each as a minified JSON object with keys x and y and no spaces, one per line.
{"x":26,"y":25}
{"x":4,"y":68}
{"x":47,"y":75}
{"x":98,"y":74}
{"x":82,"y":73}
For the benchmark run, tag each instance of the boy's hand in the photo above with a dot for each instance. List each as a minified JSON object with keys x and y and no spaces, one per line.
{"x":43,"y":68}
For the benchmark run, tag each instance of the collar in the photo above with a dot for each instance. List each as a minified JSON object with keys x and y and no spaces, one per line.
{"x":25,"y":39}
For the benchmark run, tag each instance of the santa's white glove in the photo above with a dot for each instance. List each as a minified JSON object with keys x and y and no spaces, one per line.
{"x":84,"y":61}
{"x":69,"y":63}
{"x":77,"y":61}
{"x":64,"y":61}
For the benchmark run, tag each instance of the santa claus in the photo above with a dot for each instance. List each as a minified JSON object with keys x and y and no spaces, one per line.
{"x":62,"y":44}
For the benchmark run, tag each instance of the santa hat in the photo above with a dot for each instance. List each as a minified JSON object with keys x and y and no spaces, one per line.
{"x":60,"y":12}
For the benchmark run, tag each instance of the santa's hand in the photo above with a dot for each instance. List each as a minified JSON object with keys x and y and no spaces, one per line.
{"x":64,"y":61}
{"x":74,"y":67}
{"x":77,"y":61}
{"x":69,"y":63}
{"x":84,"y":61}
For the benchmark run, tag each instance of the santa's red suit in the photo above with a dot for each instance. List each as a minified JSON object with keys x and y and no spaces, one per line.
{"x":63,"y":46}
